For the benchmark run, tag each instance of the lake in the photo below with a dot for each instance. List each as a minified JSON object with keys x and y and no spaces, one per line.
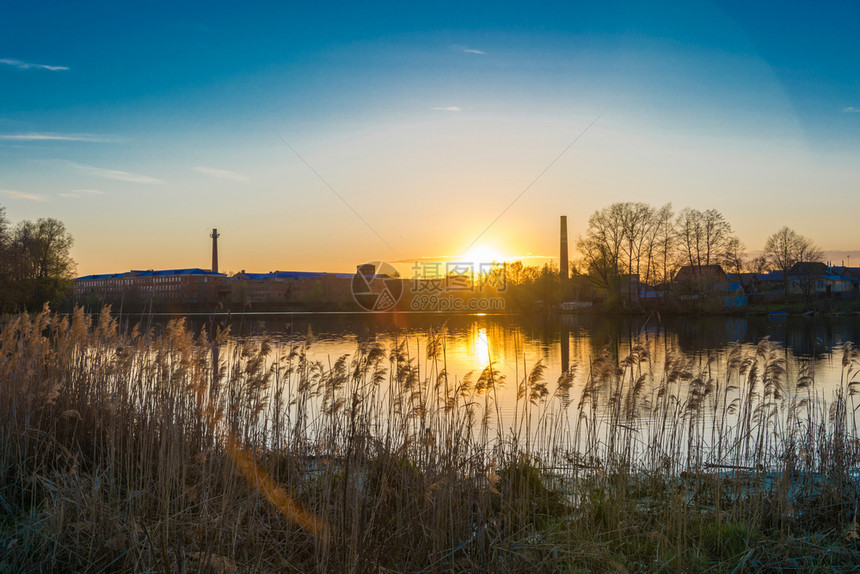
{"x":516,"y":342}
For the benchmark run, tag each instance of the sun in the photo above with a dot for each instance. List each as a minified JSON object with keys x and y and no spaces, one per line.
{"x":483,"y":256}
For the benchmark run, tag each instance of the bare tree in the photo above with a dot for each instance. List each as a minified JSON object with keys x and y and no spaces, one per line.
{"x":786,"y":248}
{"x":703,"y":236}
{"x":759,"y":264}
{"x":638,"y":223}
{"x":629,"y":238}
{"x":601,"y":248}
{"x":665,"y":237}
{"x":733,"y":260}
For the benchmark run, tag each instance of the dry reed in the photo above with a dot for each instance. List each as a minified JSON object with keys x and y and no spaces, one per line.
{"x":128,"y":450}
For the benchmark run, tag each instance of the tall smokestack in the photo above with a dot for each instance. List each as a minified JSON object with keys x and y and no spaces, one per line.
{"x":214,"y":237}
{"x":563,"y":270}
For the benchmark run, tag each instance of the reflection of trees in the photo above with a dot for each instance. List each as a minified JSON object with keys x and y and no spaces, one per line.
{"x":543,"y":338}
{"x":815,"y":337}
{"x":704,"y":333}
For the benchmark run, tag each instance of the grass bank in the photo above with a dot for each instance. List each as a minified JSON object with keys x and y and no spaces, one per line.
{"x":181,"y":452}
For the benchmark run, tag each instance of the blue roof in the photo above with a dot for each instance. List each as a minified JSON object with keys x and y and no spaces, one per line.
{"x":171,"y":272}
{"x":102,"y":276}
{"x":835,"y":277}
{"x":153,"y":273}
{"x":294,"y":275}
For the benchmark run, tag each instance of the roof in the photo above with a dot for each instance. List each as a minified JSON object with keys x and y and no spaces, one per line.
{"x":102,"y":276}
{"x":846,"y":271}
{"x":836,"y":277}
{"x":690,"y":272}
{"x":294,"y":275}
{"x":808,"y":268}
{"x":749,"y":278}
{"x":153,"y":273}
{"x":822,"y":271}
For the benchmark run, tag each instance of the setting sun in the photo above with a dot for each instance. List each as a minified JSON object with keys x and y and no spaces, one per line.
{"x":483,"y":256}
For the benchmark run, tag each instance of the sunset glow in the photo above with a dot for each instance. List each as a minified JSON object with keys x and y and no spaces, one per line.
{"x":319,"y":137}
{"x":484,"y":257}
{"x":441,"y":286}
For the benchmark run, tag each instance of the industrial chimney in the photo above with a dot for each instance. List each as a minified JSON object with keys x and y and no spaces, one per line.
{"x":214,"y":237}
{"x":563,"y":270}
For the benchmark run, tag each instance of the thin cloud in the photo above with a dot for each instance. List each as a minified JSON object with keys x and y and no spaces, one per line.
{"x":80,"y":193}
{"x":447,"y":109}
{"x":115,"y":174}
{"x":220,"y":173}
{"x":851,"y":110}
{"x":56,"y":137}
{"x":28,"y":66}
{"x":444,"y":260}
{"x":424,"y":258}
{"x":21,"y":195}
{"x":468,"y":50}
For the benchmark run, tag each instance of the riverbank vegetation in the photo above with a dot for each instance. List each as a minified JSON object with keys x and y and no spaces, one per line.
{"x":129,"y":450}
{"x":35,"y":264}
{"x":632,"y":247}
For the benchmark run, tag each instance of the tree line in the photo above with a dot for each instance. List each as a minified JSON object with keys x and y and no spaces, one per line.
{"x":622,"y":240}
{"x":636,"y":239}
{"x":35,"y":264}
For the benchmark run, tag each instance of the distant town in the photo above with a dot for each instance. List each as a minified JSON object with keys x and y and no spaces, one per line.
{"x":804,"y":286}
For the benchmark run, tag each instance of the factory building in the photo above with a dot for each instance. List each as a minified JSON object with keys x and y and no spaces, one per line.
{"x":182,"y":289}
{"x":160,"y":288}
{"x":281,"y":287}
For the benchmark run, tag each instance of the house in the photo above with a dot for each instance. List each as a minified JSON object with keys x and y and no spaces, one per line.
{"x":697,"y":282}
{"x":818,"y":280}
{"x":734,"y":295}
{"x":761,"y":287}
{"x":690,"y":274}
{"x":850,"y":272}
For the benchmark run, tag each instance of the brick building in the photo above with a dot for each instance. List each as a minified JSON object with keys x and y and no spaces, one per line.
{"x":153,"y":288}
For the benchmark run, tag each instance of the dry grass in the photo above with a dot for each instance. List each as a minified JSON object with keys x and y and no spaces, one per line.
{"x":183,"y":452}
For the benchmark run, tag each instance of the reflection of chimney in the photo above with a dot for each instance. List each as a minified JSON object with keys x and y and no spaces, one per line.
{"x":563,"y":271}
{"x":214,"y":237}
{"x":565,"y":347}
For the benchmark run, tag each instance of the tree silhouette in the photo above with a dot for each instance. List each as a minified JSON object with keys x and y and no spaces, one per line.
{"x":786,"y":247}
{"x":36,"y":265}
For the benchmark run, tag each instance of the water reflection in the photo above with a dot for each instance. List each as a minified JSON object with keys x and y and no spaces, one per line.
{"x":516,"y":342}
{"x":480,"y":346}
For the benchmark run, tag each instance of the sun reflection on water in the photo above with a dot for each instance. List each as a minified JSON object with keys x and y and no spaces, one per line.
{"x":480,"y":347}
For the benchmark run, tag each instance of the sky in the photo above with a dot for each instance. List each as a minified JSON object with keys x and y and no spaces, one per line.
{"x":317,"y":136}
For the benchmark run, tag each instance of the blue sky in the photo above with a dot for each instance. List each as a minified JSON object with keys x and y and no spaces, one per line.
{"x":144,"y":125}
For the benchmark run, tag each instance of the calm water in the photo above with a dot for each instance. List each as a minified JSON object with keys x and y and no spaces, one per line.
{"x":515,"y":343}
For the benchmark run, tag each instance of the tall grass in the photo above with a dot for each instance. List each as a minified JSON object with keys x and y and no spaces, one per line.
{"x":174,"y":451}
